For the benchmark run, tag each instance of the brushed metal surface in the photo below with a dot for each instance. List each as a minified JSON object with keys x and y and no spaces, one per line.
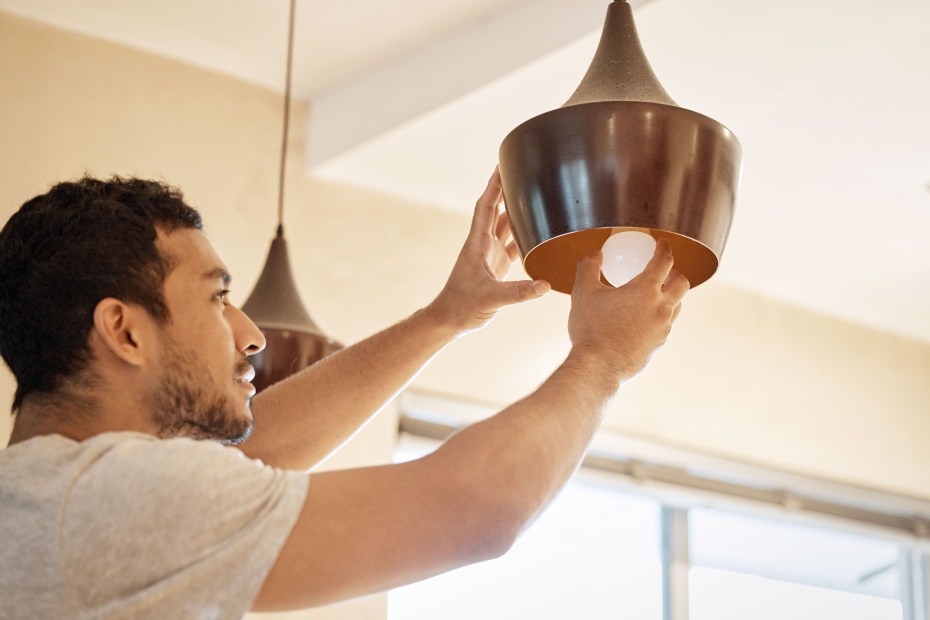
{"x":619,"y":70}
{"x":574,"y":175}
{"x":288,"y":352}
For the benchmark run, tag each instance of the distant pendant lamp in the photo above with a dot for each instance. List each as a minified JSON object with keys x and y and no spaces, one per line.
{"x":294,"y":341}
{"x":619,"y":156}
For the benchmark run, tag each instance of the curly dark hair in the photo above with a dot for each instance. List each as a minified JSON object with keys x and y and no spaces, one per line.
{"x":65,"y":251}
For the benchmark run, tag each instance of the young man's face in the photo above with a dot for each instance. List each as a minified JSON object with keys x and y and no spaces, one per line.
{"x":202,"y":389}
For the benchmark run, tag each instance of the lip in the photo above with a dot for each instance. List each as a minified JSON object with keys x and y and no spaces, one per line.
{"x":248,"y":376}
{"x":245,"y":380}
{"x":249,"y":388}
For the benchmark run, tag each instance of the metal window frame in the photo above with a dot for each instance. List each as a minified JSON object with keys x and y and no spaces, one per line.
{"x":676,"y":564}
{"x":914,"y":569}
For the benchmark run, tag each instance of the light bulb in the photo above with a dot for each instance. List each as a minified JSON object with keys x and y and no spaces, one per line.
{"x":626,"y":255}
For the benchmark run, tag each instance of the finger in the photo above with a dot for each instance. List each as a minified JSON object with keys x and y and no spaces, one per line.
{"x":502,"y":228}
{"x":676,"y":285}
{"x":588,"y":272}
{"x":500,"y":265}
{"x":486,"y":207}
{"x":660,"y":265}
{"x":506,"y":239}
{"x":513,"y":252}
{"x":524,"y":290}
{"x":675,"y":313}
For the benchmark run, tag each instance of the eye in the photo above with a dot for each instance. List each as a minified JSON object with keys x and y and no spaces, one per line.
{"x":222,"y":296}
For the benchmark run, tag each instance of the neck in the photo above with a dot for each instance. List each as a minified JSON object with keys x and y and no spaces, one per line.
{"x":50,"y":414}
{"x":72,"y":416}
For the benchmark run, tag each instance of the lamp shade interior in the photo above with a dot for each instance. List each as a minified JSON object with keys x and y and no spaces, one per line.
{"x":555,"y":260}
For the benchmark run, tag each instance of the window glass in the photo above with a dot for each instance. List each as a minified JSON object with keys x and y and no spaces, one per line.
{"x":773,"y":569}
{"x":594,"y":553}
{"x":725,"y":595}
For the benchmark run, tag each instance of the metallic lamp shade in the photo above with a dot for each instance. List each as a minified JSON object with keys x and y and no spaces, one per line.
{"x":619,"y":155}
{"x":294,"y":341}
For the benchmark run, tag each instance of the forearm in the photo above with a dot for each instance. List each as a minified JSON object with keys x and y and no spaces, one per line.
{"x":301,"y":420}
{"x":526,"y":453}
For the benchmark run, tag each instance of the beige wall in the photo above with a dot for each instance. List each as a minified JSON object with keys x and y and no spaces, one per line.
{"x":743,"y":376}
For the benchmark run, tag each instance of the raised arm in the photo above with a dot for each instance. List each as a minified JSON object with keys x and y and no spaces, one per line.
{"x":370,"y":529}
{"x":301,"y":420}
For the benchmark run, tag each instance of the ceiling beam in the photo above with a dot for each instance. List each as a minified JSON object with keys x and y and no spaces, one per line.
{"x":359,"y":111}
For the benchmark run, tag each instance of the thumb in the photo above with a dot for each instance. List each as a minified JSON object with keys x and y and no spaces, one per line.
{"x":524,"y":290}
{"x":588,"y":272}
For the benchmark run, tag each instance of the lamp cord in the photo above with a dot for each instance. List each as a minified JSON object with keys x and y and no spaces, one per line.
{"x":287,"y":114}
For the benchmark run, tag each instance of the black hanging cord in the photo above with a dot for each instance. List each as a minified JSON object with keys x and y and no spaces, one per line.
{"x":287,"y":115}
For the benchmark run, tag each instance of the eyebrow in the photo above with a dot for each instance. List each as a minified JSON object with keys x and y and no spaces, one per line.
{"x":218,"y":272}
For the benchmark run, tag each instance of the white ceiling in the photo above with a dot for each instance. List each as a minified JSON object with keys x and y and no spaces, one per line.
{"x":830,"y":99}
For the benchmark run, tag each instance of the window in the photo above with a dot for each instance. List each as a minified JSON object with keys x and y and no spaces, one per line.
{"x":745,"y":566}
{"x":594,"y":553}
{"x":687,"y":539}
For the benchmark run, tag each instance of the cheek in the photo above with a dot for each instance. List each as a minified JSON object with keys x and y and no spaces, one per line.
{"x":221,"y":336}
{"x":211,"y":335}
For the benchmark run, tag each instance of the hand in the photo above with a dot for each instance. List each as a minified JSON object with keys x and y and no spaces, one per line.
{"x":476,"y":289}
{"x":623,"y":326}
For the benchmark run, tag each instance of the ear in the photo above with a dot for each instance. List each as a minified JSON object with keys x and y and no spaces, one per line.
{"x":125,"y":330}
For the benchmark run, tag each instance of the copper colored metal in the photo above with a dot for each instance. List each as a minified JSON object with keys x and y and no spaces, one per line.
{"x":288,"y":352}
{"x":619,"y":155}
{"x":294,"y":341}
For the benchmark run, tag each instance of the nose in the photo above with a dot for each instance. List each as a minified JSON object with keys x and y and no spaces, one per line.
{"x":248,"y":337}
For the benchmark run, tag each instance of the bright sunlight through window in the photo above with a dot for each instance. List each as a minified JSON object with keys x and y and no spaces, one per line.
{"x":596,"y":553}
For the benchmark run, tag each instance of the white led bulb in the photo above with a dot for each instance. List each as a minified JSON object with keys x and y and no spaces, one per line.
{"x":626,"y":255}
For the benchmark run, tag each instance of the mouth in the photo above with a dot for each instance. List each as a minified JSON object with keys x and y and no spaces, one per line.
{"x":245,"y":380}
{"x":248,"y":376}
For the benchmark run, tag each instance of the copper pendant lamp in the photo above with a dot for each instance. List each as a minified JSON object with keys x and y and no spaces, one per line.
{"x":294,"y":341}
{"x":619,"y":155}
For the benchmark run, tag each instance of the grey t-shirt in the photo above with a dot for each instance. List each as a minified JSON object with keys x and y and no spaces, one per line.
{"x":124,"y":525}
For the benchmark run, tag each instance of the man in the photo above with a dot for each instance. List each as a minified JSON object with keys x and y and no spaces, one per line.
{"x":115,"y":321}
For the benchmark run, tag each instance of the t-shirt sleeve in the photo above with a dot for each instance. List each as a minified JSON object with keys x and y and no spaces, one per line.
{"x":174,"y":528}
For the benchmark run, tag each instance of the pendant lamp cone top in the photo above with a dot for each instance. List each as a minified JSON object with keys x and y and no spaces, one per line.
{"x":620,"y":70}
{"x":619,"y":155}
{"x":294,"y":340}
{"x":275,"y":302}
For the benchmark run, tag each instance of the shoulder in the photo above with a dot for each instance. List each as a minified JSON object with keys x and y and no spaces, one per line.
{"x":135,"y":452}
{"x":144,"y":509}
{"x":140,"y":468}
{"x":161,"y":505}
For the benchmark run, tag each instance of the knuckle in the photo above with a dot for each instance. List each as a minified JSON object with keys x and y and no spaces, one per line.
{"x":666,"y":310}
